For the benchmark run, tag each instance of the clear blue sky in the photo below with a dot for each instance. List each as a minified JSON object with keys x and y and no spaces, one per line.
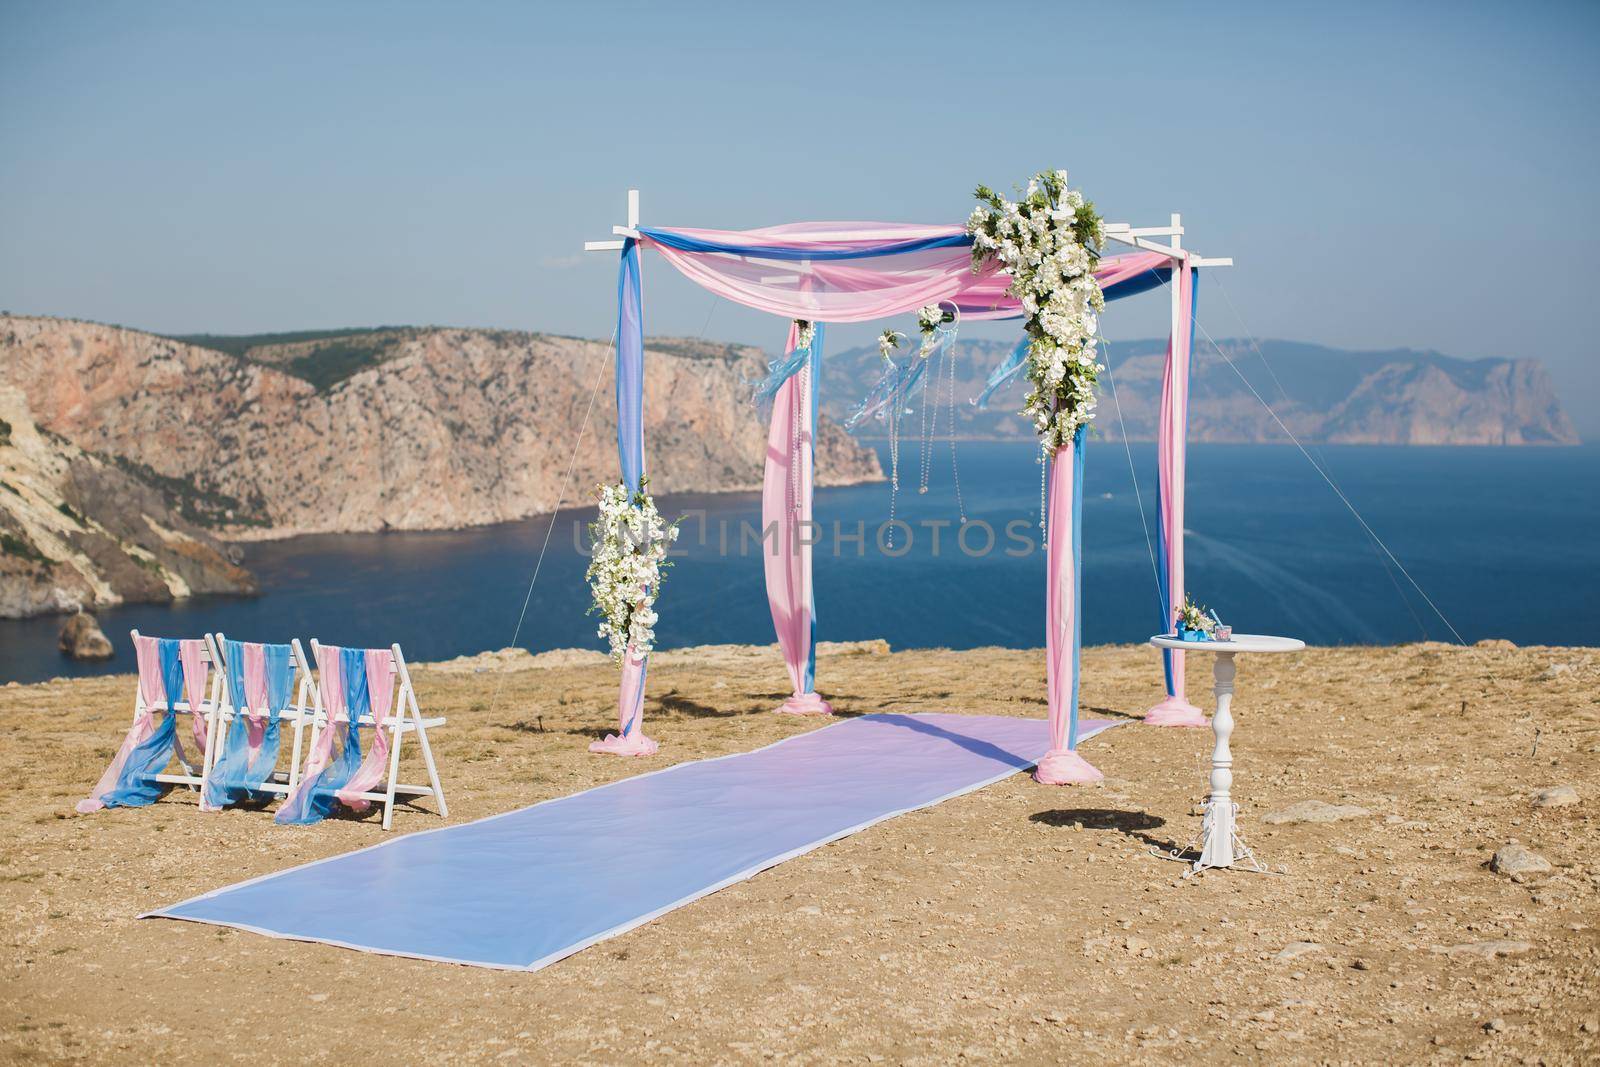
{"x":1384,"y":174}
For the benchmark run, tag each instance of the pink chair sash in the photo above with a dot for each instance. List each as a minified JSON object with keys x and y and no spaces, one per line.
{"x":196,"y":671}
{"x":380,"y":691}
{"x":330,"y":682}
{"x":255,"y":694}
{"x":151,"y":695}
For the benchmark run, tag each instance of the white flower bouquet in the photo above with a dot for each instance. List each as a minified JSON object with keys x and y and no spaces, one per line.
{"x":630,"y":546}
{"x":1048,"y":241}
{"x":805,"y":332}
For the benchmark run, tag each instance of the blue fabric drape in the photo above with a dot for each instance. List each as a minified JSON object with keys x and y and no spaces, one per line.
{"x":781,"y":370}
{"x":685,"y":243}
{"x":233,"y":777}
{"x":316,"y":799}
{"x":136,"y":786}
{"x":630,"y":367}
{"x":1004,"y":371}
{"x":815,"y":356}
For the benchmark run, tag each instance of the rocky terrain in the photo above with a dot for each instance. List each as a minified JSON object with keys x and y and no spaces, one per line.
{"x":406,"y":429}
{"x":1324,"y":395}
{"x":1431,"y":811}
{"x":77,"y":530}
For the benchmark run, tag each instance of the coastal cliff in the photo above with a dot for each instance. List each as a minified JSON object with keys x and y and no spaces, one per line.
{"x":1324,"y":395}
{"x":403,"y":429}
{"x":78,"y":531}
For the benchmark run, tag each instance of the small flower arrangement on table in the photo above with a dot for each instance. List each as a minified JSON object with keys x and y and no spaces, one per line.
{"x":1194,"y":622}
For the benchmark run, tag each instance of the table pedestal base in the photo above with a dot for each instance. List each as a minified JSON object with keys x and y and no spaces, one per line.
{"x":1220,"y":844}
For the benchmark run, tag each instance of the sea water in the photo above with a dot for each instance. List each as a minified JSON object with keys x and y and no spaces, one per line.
{"x":1502,"y":541}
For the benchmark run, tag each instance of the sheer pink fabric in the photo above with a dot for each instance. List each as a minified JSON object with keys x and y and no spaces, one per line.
{"x":1061,"y":765}
{"x":255,"y":695}
{"x":152,"y":694}
{"x":857,"y":290}
{"x":1171,"y":436}
{"x":195,"y":672}
{"x":786,"y":511}
{"x":631,"y":739}
{"x":330,"y":681}
{"x":380,"y":691}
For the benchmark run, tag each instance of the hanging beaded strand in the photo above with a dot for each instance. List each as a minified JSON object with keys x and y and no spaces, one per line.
{"x":925,"y":458}
{"x":1044,"y":469}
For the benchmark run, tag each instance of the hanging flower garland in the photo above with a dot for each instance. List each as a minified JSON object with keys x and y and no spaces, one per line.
{"x":1048,"y":242}
{"x":627,"y":566}
{"x":805,"y":332}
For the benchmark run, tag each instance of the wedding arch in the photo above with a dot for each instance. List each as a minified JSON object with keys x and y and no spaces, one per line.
{"x":851,"y":272}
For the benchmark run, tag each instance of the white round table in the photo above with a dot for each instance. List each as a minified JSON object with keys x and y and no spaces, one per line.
{"x":1220,"y":845}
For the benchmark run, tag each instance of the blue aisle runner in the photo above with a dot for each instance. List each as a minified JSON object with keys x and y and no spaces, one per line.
{"x":529,"y":887}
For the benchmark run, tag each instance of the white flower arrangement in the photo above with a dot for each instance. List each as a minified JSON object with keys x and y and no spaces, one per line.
{"x":805,"y":332}
{"x":888,"y":342}
{"x":929,"y":319}
{"x":625,"y":571}
{"x":1048,"y":242}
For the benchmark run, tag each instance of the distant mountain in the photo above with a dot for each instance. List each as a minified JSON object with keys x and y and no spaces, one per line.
{"x":1327,"y":395}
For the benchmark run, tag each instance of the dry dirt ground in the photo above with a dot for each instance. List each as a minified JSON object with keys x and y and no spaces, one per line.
{"x":1018,"y":923}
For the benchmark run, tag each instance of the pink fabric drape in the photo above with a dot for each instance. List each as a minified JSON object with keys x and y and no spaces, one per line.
{"x":380,"y":693}
{"x":786,"y":511}
{"x":195,"y":672}
{"x":1171,"y":453}
{"x":630,"y":739}
{"x":330,"y":682}
{"x":858,"y":290}
{"x":1062,"y":765}
{"x":152,"y":694}
{"x":255,"y":695}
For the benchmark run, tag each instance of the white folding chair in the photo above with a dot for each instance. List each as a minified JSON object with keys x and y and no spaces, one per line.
{"x":192,"y":776}
{"x":404,"y":718}
{"x":300,"y":711}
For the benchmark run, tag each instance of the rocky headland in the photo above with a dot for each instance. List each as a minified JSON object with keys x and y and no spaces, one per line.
{"x":393,"y":429}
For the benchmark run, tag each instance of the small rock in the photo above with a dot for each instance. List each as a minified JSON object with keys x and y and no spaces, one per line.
{"x":1519,"y":862}
{"x":1362,"y":965}
{"x":1314,"y":811}
{"x":1591,"y":1026}
{"x":1557,"y":796}
{"x":1488,"y":950}
{"x":1297,"y":948}
{"x":82,"y":639}
{"x":1496,"y":642}
{"x":1495,"y":1026}
{"x":318,"y":998}
{"x":1554,"y":671}
{"x":808,"y":909}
